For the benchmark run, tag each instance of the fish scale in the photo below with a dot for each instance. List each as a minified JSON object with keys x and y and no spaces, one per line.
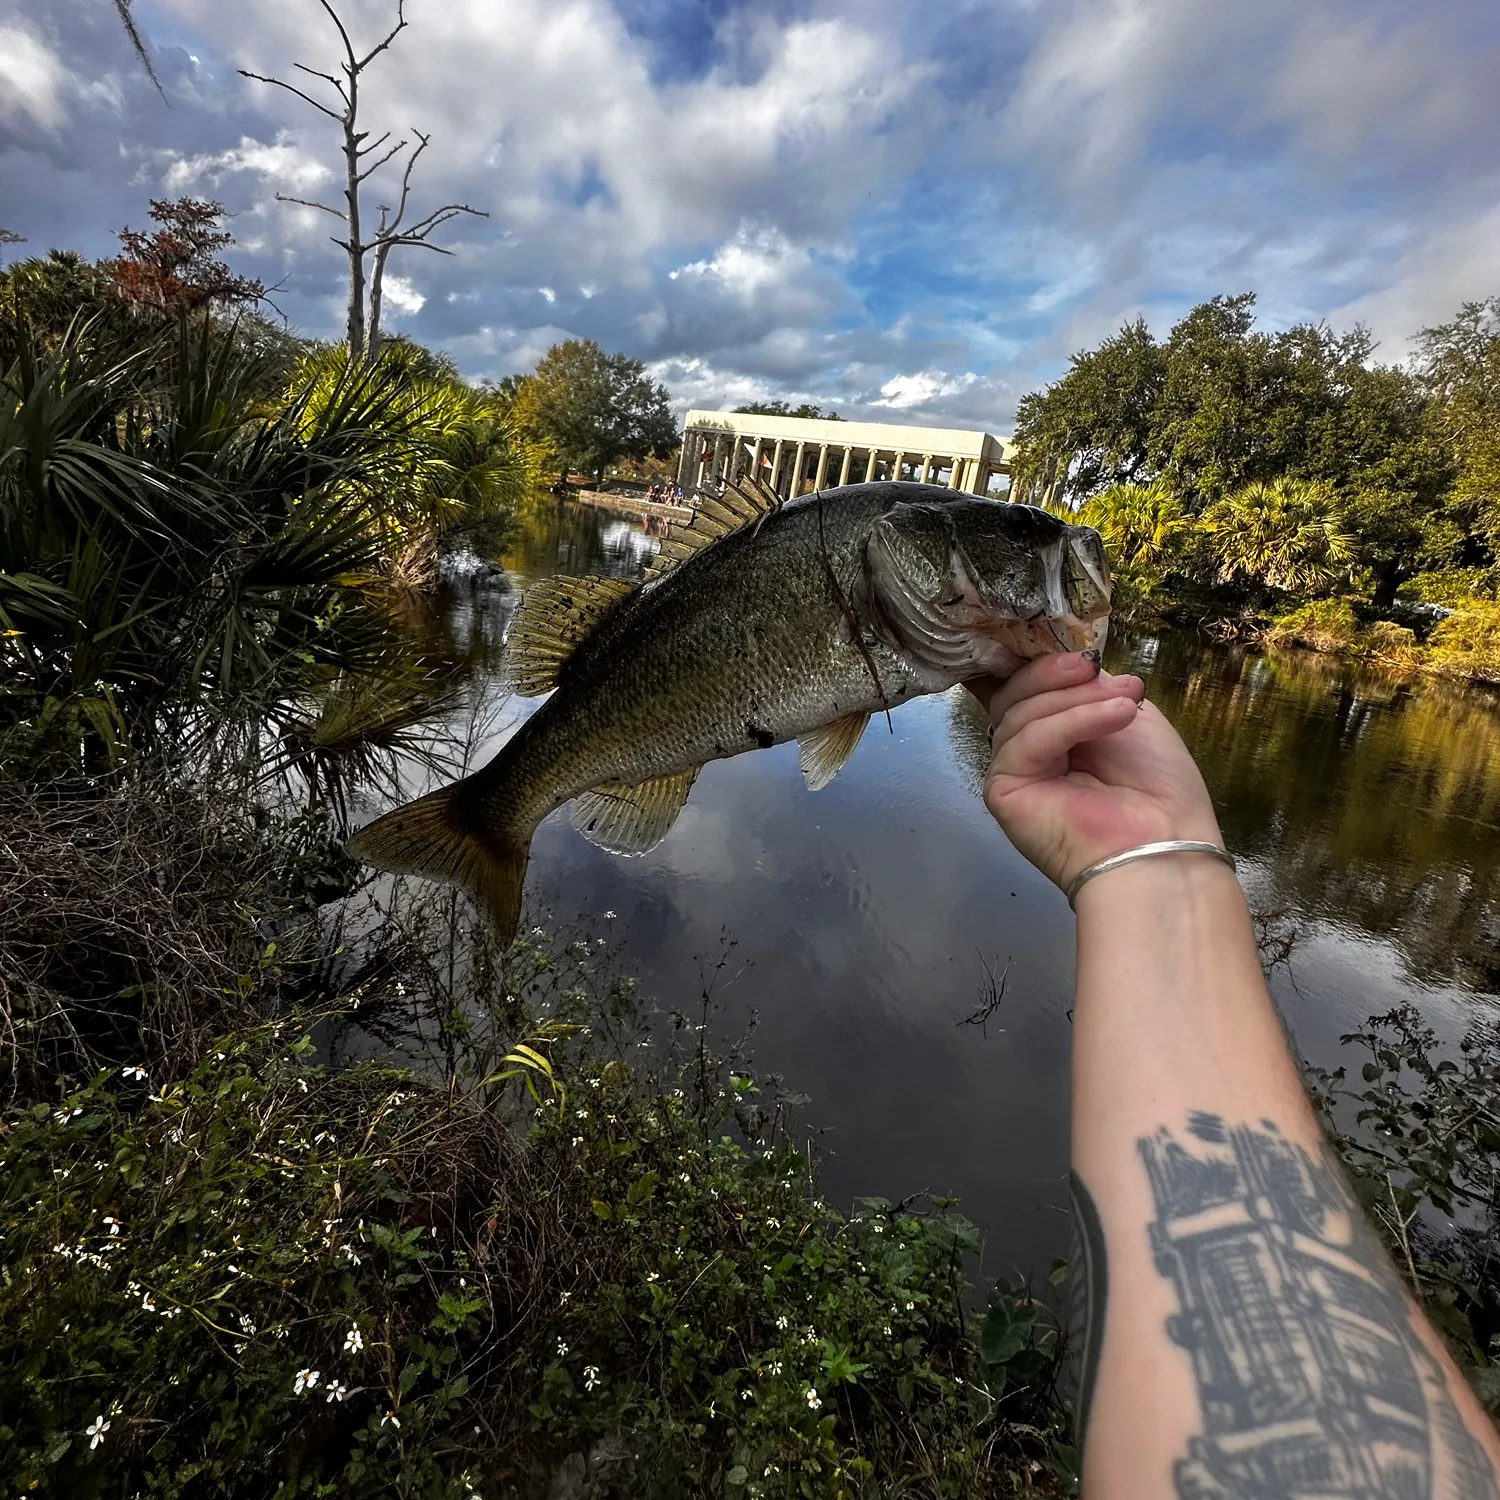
{"x":795,"y":623}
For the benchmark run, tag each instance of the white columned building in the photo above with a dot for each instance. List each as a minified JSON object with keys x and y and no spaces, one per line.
{"x":722,"y":445}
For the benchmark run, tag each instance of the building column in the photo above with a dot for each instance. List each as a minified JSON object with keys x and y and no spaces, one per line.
{"x":736,"y":456}
{"x":719,"y":457}
{"x":844,"y":467}
{"x":870,"y":465}
{"x":926,"y":468}
{"x":954,"y":466}
{"x":981,"y":476}
{"x":822,"y":473}
{"x":685,"y":460}
{"x":755,"y":460}
{"x":776,"y":467}
{"x":796,"y":486}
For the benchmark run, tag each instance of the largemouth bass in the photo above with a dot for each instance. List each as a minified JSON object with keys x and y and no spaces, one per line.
{"x":758,"y":623}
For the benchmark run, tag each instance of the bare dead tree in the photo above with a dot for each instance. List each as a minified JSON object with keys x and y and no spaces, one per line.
{"x":364,"y":157}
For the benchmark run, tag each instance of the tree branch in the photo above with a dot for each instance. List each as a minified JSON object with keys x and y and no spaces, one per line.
{"x":308,"y":98}
{"x":308,"y":203}
{"x":435,"y":220}
{"x":396,"y":31}
{"x":333,"y":16}
{"x":370,"y":171}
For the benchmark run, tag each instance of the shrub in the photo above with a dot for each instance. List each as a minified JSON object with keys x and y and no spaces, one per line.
{"x":1319,"y":624}
{"x":1467,"y":643}
{"x":1451,"y":587}
{"x":1424,"y":1159}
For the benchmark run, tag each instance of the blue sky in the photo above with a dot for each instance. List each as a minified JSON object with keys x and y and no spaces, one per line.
{"x":910,"y":211}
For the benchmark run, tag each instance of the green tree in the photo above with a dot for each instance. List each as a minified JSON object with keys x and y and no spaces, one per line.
{"x":591,"y":408}
{"x":1282,"y":535}
{"x":1142,"y":525}
{"x":785,"y":409}
{"x":1092,"y":428}
{"x":1460,"y":366}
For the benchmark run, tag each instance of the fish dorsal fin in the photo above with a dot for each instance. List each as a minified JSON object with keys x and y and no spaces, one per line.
{"x":632,"y":819}
{"x":555,"y":616}
{"x":744,"y":502}
{"x":821,"y":752}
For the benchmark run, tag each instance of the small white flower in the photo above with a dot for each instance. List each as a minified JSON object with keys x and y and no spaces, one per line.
{"x":590,"y":1377}
{"x":390,"y":1418}
{"x":349,"y":1254}
{"x":814,"y":1401}
{"x":773,"y":1223}
{"x":306,"y":1380}
{"x":581,"y":1114}
{"x":247,"y":1325}
{"x":746,"y":1395}
{"x":562,"y":1348}
{"x":354,"y":1341}
{"x":609,"y":916}
{"x":653,"y":1276}
{"x":781,"y":1322}
{"x":114,"y":1225}
{"x":577,"y":1140}
{"x":135,"y":1072}
{"x":911,"y":1307}
{"x":400,"y":988}
{"x":337,"y":1392}
{"x":96,"y":1430}
{"x":887,"y":1330}
{"x":774,"y":1368}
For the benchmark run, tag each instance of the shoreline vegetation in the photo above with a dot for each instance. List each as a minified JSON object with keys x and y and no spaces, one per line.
{"x":306,"y":1186}
{"x":1288,"y":486}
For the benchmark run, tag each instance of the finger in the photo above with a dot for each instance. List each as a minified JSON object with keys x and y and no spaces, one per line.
{"x":1043,"y":675}
{"x":1029,"y":710}
{"x":1041,"y":747}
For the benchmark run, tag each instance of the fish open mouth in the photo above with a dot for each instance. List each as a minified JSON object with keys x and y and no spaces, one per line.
{"x":1078,"y":591}
{"x":958,"y":620}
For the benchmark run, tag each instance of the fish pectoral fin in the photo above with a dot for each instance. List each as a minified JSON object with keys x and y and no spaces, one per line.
{"x":821,"y":752}
{"x":629,"y":819}
{"x":555,"y":617}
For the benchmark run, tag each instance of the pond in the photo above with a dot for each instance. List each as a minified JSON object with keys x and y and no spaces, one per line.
{"x":870,"y":919}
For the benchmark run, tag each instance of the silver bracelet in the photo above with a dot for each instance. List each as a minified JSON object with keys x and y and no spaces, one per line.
{"x":1145,"y":851}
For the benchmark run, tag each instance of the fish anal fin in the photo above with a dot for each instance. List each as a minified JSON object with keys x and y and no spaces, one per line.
{"x":628,"y":819}
{"x":821,"y":752}
{"x":555,"y":617}
{"x":743,"y":503}
{"x":431,"y":837}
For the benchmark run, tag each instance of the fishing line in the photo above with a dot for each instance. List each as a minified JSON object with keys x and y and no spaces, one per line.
{"x":849,"y":616}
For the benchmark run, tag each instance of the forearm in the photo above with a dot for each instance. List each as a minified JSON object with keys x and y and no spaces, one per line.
{"x":1250,"y":1322}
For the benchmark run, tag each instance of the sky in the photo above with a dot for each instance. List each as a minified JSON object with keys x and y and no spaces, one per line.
{"x":908,"y":210}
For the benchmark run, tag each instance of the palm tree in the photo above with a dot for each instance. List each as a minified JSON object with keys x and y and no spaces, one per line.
{"x":1142,"y":525}
{"x":1283,"y":535}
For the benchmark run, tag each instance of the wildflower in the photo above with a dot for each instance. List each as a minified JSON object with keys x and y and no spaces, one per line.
{"x":773,"y":1223}
{"x":746,"y":1395}
{"x":114,"y":1225}
{"x":911,"y":1307}
{"x":349,"y":1254}
{"x":302,"y":1084}
{"x":391,"y":1418}
{"x":562,"y":1349}
{"x":653,"y":1276}
{"x":887,"y":1330}
{"x":337,"y":1392}
{"x":582,"y":1114}
{"x":400,"y":988}
{"x":354,"y":1341}
{"x":96,"y":1430}
{"x":577,"y":1140}
{"x":781,"y":1322}
{"x":134,"y":1072}
{"x":590,"y":1377}
{"x":306,"y":1380}
{"x":609,"y":916}
{"x":247,"y":1325}
{"x":62,"y":1116}
{"x":814,"y":1401}
{"x":774,"y":1368}
{"x":566,"y":1296}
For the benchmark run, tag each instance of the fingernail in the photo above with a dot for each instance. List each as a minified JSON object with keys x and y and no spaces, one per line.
{"x":1091,"y":655}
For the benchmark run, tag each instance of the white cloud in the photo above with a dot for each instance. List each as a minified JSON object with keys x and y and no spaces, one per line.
{"x":32,"y":79}
{"x":906,"y":391}
{"x":548,"y":293}
{"x":402,"y":294}
{"x":283,"y":164}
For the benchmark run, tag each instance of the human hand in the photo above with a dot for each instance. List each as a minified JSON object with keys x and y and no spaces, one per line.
{"x":1084,"y":768}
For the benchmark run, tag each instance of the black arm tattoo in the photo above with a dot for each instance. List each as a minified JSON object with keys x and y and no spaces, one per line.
{"x":1310,"y":1375}
{"x":1089,"y":1286}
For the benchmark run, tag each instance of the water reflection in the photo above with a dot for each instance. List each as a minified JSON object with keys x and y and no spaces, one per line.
{"x":868,"y":914}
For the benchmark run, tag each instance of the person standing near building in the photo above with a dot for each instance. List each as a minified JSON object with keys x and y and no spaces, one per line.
{"x":1245,"y":1337}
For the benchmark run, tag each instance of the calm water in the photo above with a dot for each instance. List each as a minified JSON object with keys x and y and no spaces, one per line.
{"x":868,"y":916}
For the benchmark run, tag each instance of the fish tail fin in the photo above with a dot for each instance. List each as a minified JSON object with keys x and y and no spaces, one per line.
{"x":436,"y":837}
